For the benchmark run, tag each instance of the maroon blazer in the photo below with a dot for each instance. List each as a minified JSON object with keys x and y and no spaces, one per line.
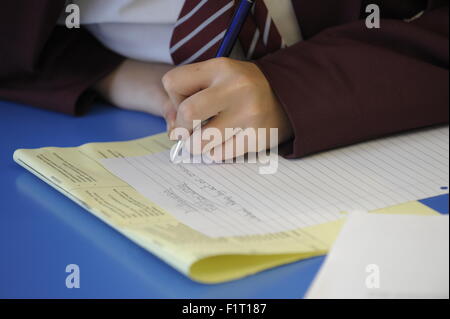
{"x":343,"y":84}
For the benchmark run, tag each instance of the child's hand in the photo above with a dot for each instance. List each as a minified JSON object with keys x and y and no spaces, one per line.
{"x":136,"y":85}
{"x":235,"y":93}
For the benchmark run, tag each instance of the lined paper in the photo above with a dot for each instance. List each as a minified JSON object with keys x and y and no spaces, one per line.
{"x":234,"y":200}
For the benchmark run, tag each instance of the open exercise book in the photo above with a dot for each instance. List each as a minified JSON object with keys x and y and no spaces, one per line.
{"x":224,"y":221}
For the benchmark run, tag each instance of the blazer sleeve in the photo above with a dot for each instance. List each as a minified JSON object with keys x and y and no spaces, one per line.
{"x":350,"y":84}
{"x":46,"y":65}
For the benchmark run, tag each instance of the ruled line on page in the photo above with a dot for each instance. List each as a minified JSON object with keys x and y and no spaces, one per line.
{"x":234,"y":200}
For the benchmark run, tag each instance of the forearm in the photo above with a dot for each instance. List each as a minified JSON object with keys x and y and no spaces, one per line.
{"x":45,"y":65}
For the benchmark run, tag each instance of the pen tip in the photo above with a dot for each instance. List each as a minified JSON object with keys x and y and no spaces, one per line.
{"x":175,"y":152}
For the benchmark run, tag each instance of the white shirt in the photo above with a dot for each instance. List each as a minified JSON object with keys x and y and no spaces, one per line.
{"x":142,"y":29}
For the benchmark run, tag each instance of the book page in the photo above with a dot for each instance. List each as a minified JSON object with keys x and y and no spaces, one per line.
{"x":228,"y":200}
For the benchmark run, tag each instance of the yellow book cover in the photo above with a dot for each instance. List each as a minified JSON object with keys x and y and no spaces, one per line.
{"x":77,"y":173}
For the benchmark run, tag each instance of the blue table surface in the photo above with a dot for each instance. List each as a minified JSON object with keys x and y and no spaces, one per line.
{"x":41,"y":231}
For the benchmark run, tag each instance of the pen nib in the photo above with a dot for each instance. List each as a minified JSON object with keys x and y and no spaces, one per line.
{"x":176,"y":152}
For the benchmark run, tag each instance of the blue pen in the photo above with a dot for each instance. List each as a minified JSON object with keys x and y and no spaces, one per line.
{"x":225,"y":48}
{"x":232,"y":34}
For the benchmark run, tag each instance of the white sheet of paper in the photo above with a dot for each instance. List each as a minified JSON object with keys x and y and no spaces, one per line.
{"x":234,"y":200}
{"x":387,"y":256}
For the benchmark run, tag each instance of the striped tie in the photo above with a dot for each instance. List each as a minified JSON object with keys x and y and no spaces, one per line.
{"x":203,"y":23}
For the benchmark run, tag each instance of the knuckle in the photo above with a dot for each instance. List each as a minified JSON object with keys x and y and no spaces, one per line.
{"x":187,"y":112}
{"x":246,"y":81}
{"x":168,"y":81}
{"x":246,"y":86}
{"x":223,"y":63}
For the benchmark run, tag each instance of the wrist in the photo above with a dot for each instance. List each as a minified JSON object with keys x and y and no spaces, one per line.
{"x":135,"y":85}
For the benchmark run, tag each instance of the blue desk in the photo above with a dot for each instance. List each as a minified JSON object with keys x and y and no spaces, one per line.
{"x":41,"y":231}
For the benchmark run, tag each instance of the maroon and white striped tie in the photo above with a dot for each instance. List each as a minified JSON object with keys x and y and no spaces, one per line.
{"x":202,"y":25}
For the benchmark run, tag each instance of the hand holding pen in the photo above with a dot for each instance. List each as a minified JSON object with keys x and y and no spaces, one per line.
{"x":227,"y":93}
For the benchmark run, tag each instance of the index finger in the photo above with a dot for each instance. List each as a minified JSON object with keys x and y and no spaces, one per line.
{"x":184,"y":81}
